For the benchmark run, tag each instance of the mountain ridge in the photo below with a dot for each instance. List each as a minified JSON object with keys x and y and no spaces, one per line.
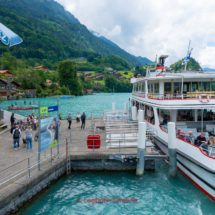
{"x":208,"y":69}
{"x":48,"y":33}
{"x":143,"y":60}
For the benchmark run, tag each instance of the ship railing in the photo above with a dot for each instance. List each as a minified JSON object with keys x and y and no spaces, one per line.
{"x":188,"y":95}
{"x":138,"y":93}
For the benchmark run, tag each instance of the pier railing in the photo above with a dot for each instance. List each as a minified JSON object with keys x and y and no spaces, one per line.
{"x":25,"y":167}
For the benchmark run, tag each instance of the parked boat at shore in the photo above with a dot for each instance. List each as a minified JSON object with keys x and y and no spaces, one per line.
{"x":28,"y":107}
{"x":67,"y":97}
{"x":188,"y":99}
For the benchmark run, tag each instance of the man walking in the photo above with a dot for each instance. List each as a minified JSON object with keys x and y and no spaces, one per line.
{"x":69,"y":118}
{"x":83,"y":117}
{"x":16,"y":135}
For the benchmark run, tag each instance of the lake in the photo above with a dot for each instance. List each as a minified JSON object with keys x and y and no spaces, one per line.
{"x":96,"y":103}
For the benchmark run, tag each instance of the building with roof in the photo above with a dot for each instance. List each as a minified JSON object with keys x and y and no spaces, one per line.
{"x":44,"y":68}
{"x":87,"y":92}
{"x":9,"y":87}
{"x":48,"y":82}
{"x":7,"y":73}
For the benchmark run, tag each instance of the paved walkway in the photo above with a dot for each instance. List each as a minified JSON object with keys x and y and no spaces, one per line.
{"x":18,"y":159}
{"x":9,"y":156}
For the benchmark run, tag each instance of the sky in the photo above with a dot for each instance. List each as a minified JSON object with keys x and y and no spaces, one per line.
{"x":148,"y":28}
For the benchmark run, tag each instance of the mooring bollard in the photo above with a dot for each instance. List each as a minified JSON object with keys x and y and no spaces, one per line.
{"x":125,"y":107}
{"x":113,"y":107}
{"x":141,"y":149}
{"x":140,"y":116}
{"x":134,"y":112}
{"x":172,"y":149}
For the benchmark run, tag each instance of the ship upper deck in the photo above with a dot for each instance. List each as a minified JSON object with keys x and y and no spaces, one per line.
{"x":185,"y":88}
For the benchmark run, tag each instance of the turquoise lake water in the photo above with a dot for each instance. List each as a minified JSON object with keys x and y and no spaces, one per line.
{"x":156,"y":193}
{"x":99,"y":101}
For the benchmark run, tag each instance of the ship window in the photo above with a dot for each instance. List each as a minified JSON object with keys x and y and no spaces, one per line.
{"x":143,"y":87}
{"x":206,"y":86}
{"x":176,"y":87}
{"x":149,"y":114}
{"x":194,"y":86}
{"x":157,"y":88}
{"x":167,"y":87}
{"x":185,"y":115}
{"x":149,"y":88}
{"x":207,"y":115}
{"x":212,"y":86}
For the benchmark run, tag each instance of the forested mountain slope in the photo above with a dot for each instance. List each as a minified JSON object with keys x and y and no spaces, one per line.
{"x":52,"y":34}
{"x":192,"y":65}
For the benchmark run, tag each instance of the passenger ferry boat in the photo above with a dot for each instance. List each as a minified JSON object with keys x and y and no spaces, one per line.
{"x":188,"y":99}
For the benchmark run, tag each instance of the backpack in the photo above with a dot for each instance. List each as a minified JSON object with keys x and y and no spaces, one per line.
{"x":16,"y":134}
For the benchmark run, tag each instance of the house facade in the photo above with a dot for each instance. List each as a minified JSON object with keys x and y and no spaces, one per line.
{"x":8,"y":87}
{"x":44,"y":68}
{"x":7,"y":73}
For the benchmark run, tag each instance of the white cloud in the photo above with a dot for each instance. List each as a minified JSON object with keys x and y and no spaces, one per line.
{"x":147,"y":28}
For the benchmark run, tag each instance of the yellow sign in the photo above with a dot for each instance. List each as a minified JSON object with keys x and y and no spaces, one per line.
{"x":44,"y":110}
{"x":54,"y":143}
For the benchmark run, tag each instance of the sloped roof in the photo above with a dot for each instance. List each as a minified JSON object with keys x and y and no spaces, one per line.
{"x":41,"y":67}
{"x":4,"y":71}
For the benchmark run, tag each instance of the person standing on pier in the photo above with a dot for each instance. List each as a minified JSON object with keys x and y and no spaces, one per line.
{"x":83,"y":118}
{"x":12,"y":119}
{"x":24,"y":102}
{"x":69,"y":118}
{"x":29,"y":133}
{"x":16,"y":135}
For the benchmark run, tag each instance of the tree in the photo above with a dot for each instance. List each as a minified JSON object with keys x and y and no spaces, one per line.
{"x":53,"y":87}
{"x":42,"y":75}
{"x":63,"y":90}
{"x":30,"y":80}
{"x":90,"y":58}
{"x":82,"y":78}
{"x":110,"y":82}
{"x":68,"y":75}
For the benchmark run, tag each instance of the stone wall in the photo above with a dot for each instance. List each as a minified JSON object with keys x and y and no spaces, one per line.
{"x":21,"y":191}
{"x":108,"y":165}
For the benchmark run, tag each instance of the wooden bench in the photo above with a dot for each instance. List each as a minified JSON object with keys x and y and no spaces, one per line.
{"x":3,"y":126}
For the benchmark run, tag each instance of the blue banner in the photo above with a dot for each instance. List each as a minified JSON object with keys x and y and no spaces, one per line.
{"x":49,"y":133}
{"x":4,"y":38}
{"x":52,"y":108}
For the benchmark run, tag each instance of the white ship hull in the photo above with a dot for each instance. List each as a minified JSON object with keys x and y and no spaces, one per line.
{"x":201,"y":176}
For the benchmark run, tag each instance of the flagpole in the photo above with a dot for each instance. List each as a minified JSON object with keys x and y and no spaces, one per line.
{"x":187,"y":54}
